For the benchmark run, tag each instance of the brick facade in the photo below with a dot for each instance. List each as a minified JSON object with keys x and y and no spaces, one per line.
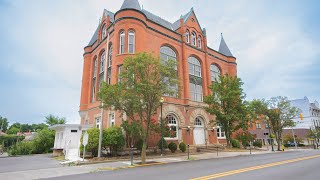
{"x":150,"y":35}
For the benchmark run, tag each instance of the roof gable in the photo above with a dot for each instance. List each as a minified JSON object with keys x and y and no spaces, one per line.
{"x":190,"y":19}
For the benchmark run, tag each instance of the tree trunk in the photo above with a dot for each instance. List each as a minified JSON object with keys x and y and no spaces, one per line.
{"x":144,"y":152}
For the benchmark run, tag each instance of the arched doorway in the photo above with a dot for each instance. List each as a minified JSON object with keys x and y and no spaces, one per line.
{"x":198,"y":132}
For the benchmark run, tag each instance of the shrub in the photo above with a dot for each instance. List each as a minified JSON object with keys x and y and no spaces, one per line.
{"x":93,"y":141}
{"x":182,"y":147}
{"x":9,"y":140}
{"x":139,"y":144}
{"x":43,"y":141}
{"x":235,"y":143}
{"x":21,"y":148}
{"x":165,"y":145}
{"x":114,"y":139}
{"x":257,"y":144}
{"x":173,"y":147}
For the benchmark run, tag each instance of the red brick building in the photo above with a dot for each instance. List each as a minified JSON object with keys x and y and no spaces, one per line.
{"x":131,"y":30}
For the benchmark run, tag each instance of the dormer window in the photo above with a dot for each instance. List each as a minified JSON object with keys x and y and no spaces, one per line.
{"x":187,"y":36}
{"x":104,"y":32}
{"x":193,"y":37}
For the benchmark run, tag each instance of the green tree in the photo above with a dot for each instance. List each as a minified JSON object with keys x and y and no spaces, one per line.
{"x":13,"y":130}
{"x":132,"y":130}
{"x":226,"y":102}
{"x":281,"y":115}
{"x":53,"y":120}
{"x":3,"y":124}
{"x":36,"y":127}
{"x":143,"y":82}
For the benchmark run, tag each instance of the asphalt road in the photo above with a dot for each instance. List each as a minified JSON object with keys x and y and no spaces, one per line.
{"x":24,"y":163}
{"x":301,"y":165}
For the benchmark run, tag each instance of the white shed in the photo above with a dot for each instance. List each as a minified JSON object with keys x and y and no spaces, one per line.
{"x":67,"y":140}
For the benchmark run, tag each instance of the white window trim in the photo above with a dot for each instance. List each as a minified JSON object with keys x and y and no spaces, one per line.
{"x":177,"y":128}
{"x":194,"y":39}
{"x":188,"y":36}
{"x":134,"y":41}
{"x":219,"y":137}
{"x":122,"y":35}
{"x":199,"y":42}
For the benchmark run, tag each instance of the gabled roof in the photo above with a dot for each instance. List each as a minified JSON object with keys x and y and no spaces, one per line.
{"x":109,"y":13}
{"x":131,"y":4}
{"x":158,"y":19}
{"x":224,"y":49}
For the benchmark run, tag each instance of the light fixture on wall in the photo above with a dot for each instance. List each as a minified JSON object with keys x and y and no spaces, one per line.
{"x":188,"y":128}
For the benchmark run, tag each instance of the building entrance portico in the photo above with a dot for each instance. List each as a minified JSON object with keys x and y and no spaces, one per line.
{"x":198,"y":132}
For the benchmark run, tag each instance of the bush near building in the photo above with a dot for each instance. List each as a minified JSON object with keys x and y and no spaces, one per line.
{"x":182,"y":147}
{"x":257,"y":144}
{"x":235,"y":143}
{"x":173,"y":147}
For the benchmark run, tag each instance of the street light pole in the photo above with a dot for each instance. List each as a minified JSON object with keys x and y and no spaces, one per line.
{"x":161,"y":126}
{"x":294,"y":139}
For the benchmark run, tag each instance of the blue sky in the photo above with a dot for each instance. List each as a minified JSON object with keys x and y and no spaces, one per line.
{"x":277,"y":45}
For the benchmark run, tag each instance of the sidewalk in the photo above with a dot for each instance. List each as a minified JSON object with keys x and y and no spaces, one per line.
{"x":4,"y":155}
{"x":109,"y":166}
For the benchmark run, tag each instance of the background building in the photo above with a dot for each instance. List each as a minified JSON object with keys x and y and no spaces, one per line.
{"x":310,"y":111}
{"x":131,"y":30}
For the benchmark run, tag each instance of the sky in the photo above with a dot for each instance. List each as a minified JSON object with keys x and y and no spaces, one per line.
{"x":276,"y":43}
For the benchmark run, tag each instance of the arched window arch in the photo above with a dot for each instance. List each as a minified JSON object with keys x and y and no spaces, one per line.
{"x":187,"y":36}
{"x":102,"y":67}
{"x":104,"y":32}
{"x":198,"y":122}
{"x":109,"y":64}
{"x":199,"y":42}
{"x":167,"y":53}
{"x":195,"y":78}
{"x":93,"y":90}
{"x":122,"y":42}
{"x":131,"y":42}
{"x":172,"y":126}
{"x":214,"y":72}
{"x":193,"y":38}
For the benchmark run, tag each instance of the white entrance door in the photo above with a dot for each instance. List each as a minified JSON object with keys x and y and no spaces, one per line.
{"x":198,"y":132}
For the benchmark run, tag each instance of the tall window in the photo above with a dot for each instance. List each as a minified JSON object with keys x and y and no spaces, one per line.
{"x":102,"y":66}
{"x":131,"y":42}
{"x":104,"y":32}
{"x":195,"y":79}
{"x":95,"y":64}
{"x":167,"y":53}
{"x":214,"y":73}
{"x":112,"y":120}
{"x":199,"y":42}
{"x":122,"y":41}
{"x":193,"y":39}
{"x":173,"y":126}
{"x":110,"y":64}
{"x":187,"y":36}
{"x":220,"y":133}
{"x":258,"y":126}
{"x":120,"y":69}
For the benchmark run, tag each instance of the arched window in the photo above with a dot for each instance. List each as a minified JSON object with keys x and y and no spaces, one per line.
{"x":214,"y":73}
{"x":93,"y":91}
{"x":198,"y":122}
{"x":102,"y":66}
{"x":195,"y":79}
{"x":167,"y":53}
{"x":199,"y":42}
{"x":193,"y":39}
{"x":187,"y":36}
{"x":131,"y":42}
{"x":104,"y":32}
{"x":122,"y":41}
{"x":173,"y":126}
{"x":109,"y":64}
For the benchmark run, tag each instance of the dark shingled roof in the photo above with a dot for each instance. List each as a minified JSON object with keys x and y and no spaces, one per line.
{"x":224,"y":49}
{"x":131,"y":4}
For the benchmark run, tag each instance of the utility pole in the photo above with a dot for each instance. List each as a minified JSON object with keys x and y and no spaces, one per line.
{"x":294,"y":138}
